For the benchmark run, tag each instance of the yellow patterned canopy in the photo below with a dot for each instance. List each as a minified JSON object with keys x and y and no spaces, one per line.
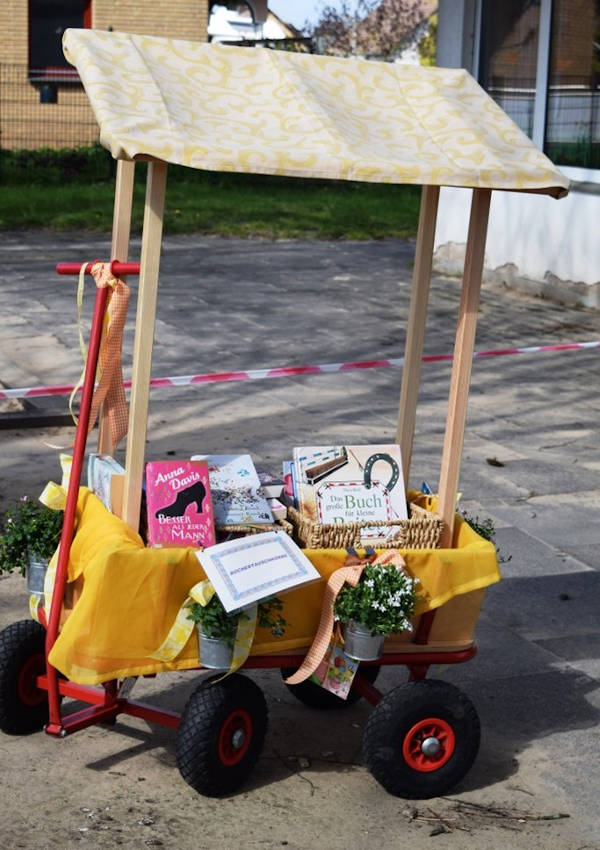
{"x":271,"y":112}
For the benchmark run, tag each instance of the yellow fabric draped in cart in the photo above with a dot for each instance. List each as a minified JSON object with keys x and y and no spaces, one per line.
{"x":130,"y":595}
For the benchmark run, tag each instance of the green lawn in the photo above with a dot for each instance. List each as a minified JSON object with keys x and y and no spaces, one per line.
{"x":200,"y":202}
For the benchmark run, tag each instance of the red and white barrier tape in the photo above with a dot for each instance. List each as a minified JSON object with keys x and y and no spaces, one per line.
{"x":293,"y":371}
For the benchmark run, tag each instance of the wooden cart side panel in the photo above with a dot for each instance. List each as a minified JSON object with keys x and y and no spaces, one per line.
{"x":453,"y":627}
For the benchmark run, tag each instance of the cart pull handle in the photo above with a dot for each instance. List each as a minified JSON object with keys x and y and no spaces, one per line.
{"x":117,"y":268}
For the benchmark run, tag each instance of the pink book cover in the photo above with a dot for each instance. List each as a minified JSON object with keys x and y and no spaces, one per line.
{"x":180,"y":511}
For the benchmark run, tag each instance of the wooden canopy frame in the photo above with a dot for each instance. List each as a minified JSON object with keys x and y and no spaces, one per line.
{"x":463,"y":349}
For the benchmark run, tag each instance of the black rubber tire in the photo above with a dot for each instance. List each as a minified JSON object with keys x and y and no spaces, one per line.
{"x":314,"y":696}
{"x":23,"y":707}
{"x":393,"y":724}
{"x":208,"y":756}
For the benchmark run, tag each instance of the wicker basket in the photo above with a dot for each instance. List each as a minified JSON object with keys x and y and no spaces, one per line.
{"x":421,"y":531}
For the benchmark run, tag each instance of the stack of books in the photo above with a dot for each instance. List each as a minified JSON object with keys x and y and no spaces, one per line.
{"x":349,"y":484}
{"x":328,"y":485}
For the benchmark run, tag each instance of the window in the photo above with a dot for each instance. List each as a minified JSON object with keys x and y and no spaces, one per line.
{"x":540,"y":61}
{"x":232,"y":21}
{"x":508,"y":59}
{"x":573,"y":104}
{"x":48,"y":19}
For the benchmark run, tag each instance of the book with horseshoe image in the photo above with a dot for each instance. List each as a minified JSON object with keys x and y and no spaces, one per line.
{"x":179,"y":504}
{"x":342,"y":484}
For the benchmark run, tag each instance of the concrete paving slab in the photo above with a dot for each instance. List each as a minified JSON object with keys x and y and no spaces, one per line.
{"x":589,"y":554}
{"x":580,"y":652}
{"x":531,"y":557}
{"x":502,"y":652}
{"x":543,"y":607}
{"x":563,"y":520}
{"x":531,"y":475}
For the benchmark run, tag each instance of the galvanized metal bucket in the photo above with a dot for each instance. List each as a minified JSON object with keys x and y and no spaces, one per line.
{"x":214,"y":653}
{"x":361,"y":643}
{"x":36,"y":573}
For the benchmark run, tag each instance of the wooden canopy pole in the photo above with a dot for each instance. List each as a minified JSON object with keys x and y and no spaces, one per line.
{"x":119,"y":250}
{"x":464,"y":349}
{"x":143,"y":341}
{"x":415,"y":334}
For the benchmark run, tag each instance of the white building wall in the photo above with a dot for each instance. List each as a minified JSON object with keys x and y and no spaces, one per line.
{"x":456,"y":34}
{"x":535,"y":243}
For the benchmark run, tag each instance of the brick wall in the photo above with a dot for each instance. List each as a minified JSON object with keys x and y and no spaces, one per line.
{"x":14,"y":46}
{"x":186,"y":19}
{"x":573,"y":25}
{"x":175,"y":18}
{"x":25,"y":122}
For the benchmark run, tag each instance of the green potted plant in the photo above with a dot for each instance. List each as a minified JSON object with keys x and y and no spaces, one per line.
{"x":217,"y":629}
{"x":486,"y":528}
{"x":29,"y":535}
{"x":381,"y":604}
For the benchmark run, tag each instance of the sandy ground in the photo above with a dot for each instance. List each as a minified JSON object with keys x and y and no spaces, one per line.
{"x":120,"y":786}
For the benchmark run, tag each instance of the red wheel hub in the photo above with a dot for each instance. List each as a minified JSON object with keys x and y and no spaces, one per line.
{"x":27,"y":688}
{"x":235,"y":737}
{"x":428,"y":745}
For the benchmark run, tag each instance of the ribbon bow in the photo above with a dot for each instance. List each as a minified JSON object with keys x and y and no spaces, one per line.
{"x":350,"y":573}
{"x":109,"y":391}
{"x":183,"y":627}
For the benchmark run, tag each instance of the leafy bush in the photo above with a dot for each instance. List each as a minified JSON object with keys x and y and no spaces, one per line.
{"x":485,"y":528}
{"x":50,"y":167}
{"x":28,"y":526}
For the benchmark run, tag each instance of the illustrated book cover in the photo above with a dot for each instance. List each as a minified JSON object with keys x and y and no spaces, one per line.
{"x":103,"y":470}
{"x":341,"y":484}
{"x":336,"y":672}
{"x":288,"y":481}
{"x":236,"y":492}
{"x":255,"y":567}
{"x":270,"y":485}
{"x":179,"y":504}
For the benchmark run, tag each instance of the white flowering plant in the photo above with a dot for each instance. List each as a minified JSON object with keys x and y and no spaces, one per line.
{"x":382,"y":601}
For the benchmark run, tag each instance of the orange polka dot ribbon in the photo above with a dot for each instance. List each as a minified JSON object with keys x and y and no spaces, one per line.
{"x":350,"y":573}
{"x":109,"y":389}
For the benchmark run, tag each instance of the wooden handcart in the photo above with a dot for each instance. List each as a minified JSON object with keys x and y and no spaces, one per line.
{"x":234,"y":109}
